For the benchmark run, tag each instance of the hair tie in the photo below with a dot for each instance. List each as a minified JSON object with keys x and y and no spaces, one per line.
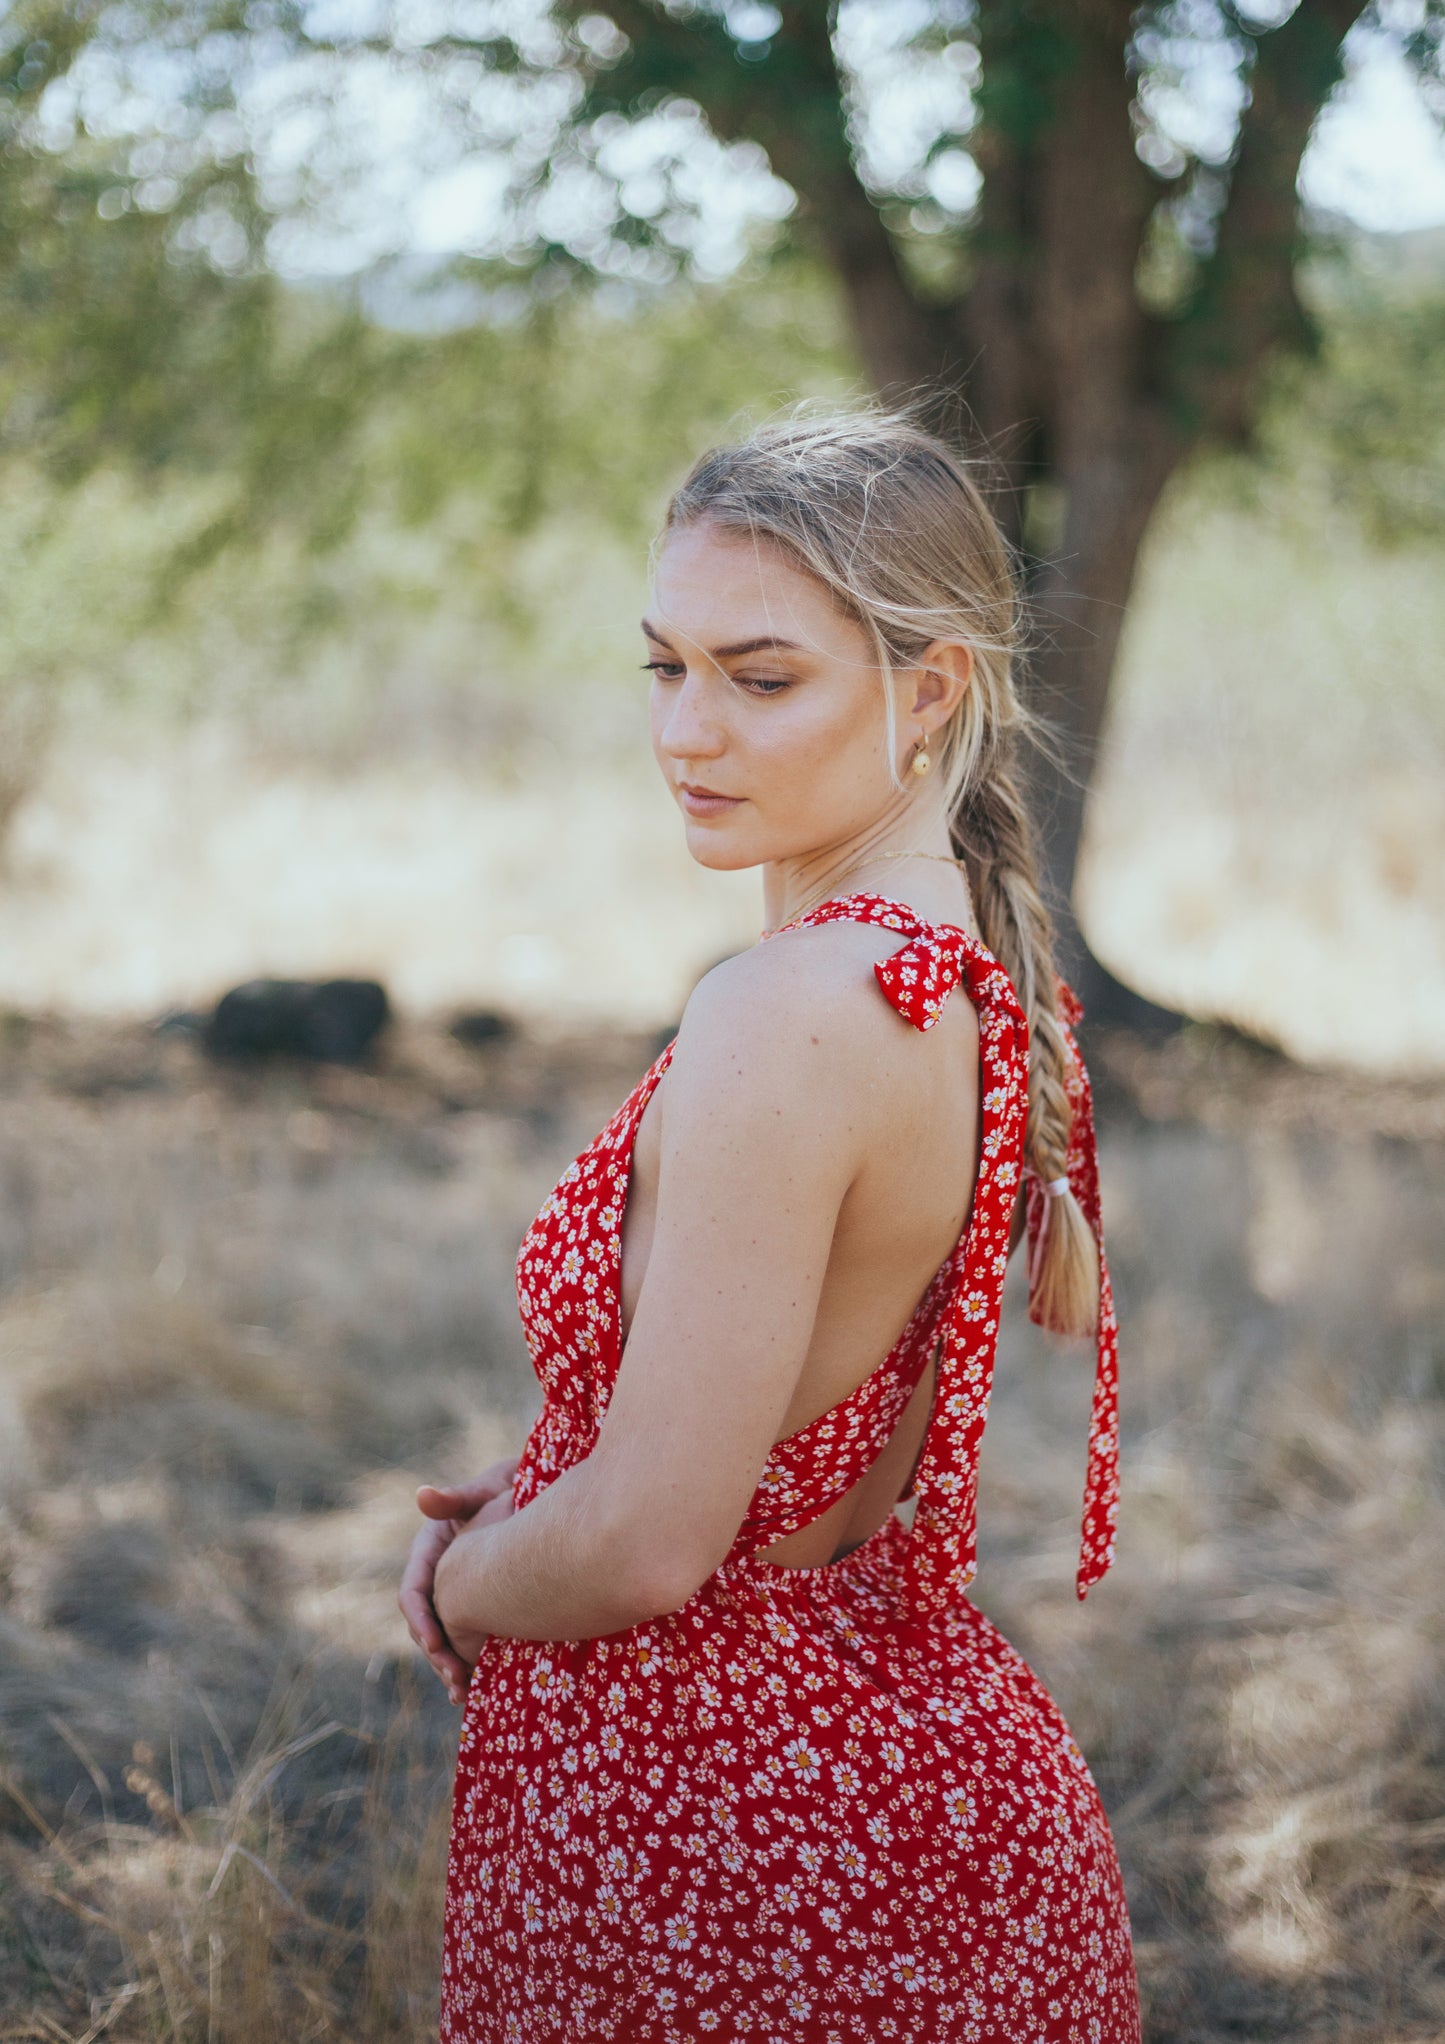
{"x":1052,"y":1188}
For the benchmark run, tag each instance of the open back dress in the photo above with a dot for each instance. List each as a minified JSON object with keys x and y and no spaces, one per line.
{"x":825,"y":1805}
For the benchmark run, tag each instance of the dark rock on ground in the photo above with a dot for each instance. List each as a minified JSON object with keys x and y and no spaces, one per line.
{"x":334,"y":1021}
{"x":480,"y":1027}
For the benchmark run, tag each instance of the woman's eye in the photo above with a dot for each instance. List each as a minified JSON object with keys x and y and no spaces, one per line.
{"x":673,"y":670}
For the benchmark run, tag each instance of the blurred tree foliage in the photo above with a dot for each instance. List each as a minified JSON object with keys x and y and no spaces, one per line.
{"x":1362,"y":424}
{"x":191,"y":447}
{"x":486,"y":459}
{"x":139,"y":322}
{"x":140,"y":333}
{"x":187,"y":436}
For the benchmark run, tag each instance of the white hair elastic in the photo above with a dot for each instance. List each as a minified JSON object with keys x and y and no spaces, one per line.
{"x":1053,"y":1188}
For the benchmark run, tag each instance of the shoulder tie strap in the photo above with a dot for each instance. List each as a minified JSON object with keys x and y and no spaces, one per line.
{"x":919,"y":978}
{"x":942,"y":1547}
{"x":1101,"y":1481}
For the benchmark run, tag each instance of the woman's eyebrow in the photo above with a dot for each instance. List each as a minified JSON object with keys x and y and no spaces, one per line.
{"x":732,"y":652}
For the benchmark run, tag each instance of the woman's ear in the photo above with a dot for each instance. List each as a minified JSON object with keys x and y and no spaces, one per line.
{"x":943,"y":673}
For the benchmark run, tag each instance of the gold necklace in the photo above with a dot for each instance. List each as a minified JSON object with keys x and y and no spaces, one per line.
{"x":830,"y":886}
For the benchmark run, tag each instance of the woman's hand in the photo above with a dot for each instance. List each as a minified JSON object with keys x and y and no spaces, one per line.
{"x":450,"y":1508}
{"x":449,"y":1593}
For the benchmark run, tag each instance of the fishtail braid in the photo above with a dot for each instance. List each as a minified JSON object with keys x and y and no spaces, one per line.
{"x":993,"y":833}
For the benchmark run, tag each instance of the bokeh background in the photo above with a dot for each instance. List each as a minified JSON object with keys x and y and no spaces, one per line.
{"x":347,"y":353}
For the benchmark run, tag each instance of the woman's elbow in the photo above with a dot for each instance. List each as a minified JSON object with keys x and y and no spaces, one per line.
{"x":626,"y":1598}
{"x":645,"y":1573}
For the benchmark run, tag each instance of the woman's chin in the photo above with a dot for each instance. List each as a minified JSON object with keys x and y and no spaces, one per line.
{"x":712,"y":849}
{"x":718,"y":861}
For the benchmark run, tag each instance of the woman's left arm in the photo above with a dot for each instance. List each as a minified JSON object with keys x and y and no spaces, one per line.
{"x":761,"y":1138}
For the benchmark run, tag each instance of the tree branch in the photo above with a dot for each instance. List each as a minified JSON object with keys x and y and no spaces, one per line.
{"x":996,"y":316}
{"x":1095,"y":199}
{"x":1059,"y":339}
{"x":790,"y":102}
{"x":1247,"y":306}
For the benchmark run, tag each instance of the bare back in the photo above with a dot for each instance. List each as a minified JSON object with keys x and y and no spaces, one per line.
{"x":913,"y":1107}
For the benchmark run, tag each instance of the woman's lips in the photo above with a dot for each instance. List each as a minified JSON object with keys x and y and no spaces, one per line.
{"x":700,"y":802}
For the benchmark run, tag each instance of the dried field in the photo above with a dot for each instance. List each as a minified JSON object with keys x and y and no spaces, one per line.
{"x":241,"y":1315}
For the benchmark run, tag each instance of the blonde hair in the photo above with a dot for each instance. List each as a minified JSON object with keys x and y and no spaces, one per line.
{"x":889,"y":520}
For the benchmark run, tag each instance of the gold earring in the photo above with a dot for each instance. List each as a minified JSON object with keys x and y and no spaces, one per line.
{"x":921,"y":760}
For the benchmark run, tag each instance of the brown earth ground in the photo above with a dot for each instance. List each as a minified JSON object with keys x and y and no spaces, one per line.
{"x":241,"y":1314}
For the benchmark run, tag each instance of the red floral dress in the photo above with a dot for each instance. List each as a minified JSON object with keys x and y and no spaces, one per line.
{"x":814,"y":1805}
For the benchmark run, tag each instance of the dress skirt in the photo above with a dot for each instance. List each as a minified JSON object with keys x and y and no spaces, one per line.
{"x":784,"y":1812}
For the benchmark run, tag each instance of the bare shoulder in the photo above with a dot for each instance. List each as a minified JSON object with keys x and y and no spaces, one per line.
{"x":800,"y":1014}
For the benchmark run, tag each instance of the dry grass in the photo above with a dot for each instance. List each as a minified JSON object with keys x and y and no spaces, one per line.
{"x":241,"y":1316}
{"x":1261,"y":1684}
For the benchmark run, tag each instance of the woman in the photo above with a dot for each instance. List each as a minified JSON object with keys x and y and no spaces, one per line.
{"x":739,"y":1758}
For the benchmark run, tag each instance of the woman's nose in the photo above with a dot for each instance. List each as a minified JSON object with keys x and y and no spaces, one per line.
{"x":691,"y":730}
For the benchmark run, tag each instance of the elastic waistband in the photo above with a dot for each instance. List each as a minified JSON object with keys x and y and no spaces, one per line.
{"x":875,"y":1564}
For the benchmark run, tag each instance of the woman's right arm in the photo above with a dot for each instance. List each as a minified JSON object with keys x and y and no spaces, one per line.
{"x":771,"y":1105}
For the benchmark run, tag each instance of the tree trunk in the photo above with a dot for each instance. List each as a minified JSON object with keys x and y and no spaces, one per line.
{"x":1082,"y":400}
{"x":1077,"y":603}
{"x":1063,"y":398}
